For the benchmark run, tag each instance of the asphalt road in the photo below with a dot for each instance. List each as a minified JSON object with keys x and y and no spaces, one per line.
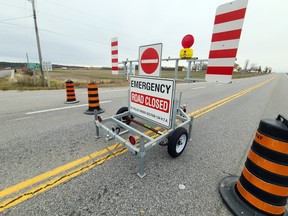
{"x":4,"y":73}
{"x":39,"y":134}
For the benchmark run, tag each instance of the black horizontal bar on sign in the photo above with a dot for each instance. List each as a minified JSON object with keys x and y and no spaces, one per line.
{"x":262,"y":195}
{"x":268,"y":154}
{"x":69,"y":90}
{"x":266,"y":175}
{"x":93,"y":95}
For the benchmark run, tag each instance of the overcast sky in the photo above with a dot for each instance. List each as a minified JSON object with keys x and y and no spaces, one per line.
{"x":79,"y":32}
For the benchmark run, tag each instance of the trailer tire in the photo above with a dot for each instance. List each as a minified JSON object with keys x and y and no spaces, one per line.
{"x":177,"y":142}
{"x":123,"y":119}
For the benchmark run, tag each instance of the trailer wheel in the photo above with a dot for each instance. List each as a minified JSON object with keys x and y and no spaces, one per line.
{"x":123,"y":119}
{"x":177,"y":142}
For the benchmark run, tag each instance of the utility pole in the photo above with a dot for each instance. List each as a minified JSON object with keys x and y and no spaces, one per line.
{"x":38,"y":43}
{"x":27,"y":59}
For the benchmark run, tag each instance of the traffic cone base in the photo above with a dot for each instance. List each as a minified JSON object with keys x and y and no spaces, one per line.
{"x":232,"y":200}
{"x":91,"y":112}
{"x":72,"y":102}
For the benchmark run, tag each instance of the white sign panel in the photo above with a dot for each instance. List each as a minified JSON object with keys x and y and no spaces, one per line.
{"x":150,"y":60}
{"x":12,"y":74}
{"x":132,"y":69}
{"x":152,"y":99}
{"x":46,"y":66}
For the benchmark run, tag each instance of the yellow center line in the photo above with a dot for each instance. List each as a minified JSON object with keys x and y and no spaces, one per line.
{"x":77,"y":171}
{"x":56,"y":181}
{"x":56,"y":171}
{"x":210,"y":107}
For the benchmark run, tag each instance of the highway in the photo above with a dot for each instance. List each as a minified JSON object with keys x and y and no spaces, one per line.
{"x":51,"y":163}
{"x":4,"y":73}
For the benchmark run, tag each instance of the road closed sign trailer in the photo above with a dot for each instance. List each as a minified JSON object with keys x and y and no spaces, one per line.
{"x":152,"y":99}
{"x":151,"y":105}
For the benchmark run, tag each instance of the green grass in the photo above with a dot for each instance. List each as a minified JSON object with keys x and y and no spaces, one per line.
{"x":82,"y":77}
{"x":22,"y":83}
{"x":6,"y":84}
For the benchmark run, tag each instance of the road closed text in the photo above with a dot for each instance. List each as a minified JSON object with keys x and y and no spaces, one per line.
{"x":156,"y":103}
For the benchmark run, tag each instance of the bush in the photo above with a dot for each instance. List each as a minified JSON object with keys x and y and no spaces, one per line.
{"x":28,"y":81}
{"x":27,"y":71}
{"x":56,"y":85}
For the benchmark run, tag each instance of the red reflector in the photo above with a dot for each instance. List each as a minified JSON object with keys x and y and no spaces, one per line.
{"x":132,"y":140}
{"x":100,"y":119}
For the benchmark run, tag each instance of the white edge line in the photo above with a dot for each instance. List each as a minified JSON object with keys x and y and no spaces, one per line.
{"x":116,"y":90}
{"x":62,"y":108}
{"x":108,"y":91}
{"x":201,"y":87}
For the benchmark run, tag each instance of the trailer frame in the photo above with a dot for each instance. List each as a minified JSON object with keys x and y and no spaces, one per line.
{"x":180,"y":119}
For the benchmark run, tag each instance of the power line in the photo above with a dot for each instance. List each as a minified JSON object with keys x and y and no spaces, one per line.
{"x":82,"y":12}
{"x":72,"y":20}
{"x":136,"y":38}
{"x":14,"y":24}
{"x":64,"y":35}
{"x":106,"y":20}
{"x":15,"y":6}
{"x":83,"y":39}
{"x":16,"y":18}
{"x":92,"y":25}
{"x":79,"y":11}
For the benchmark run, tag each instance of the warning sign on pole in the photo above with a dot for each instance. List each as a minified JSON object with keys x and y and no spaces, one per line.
{"x":114,"y":53}
{"x":152,"y":99}
{"x":226,"y":35}
{"x":150,"y":60}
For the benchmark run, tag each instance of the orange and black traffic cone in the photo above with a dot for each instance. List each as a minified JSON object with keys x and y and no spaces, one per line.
{"x":262,"y":188}
{"x":93,"y":99}
{"x":70,"y":92}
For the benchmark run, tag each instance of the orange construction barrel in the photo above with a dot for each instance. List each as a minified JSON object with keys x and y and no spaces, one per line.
{"x":262,"y":188}
{"x":93,"y":99}
{"x":70,"y":92}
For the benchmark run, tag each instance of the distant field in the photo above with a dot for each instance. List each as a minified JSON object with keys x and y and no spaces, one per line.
{"x":105,"y":75}
{"x":81,"y":77}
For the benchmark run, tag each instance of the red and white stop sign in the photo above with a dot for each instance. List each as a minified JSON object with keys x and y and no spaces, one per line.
{"x":150,"y":60}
